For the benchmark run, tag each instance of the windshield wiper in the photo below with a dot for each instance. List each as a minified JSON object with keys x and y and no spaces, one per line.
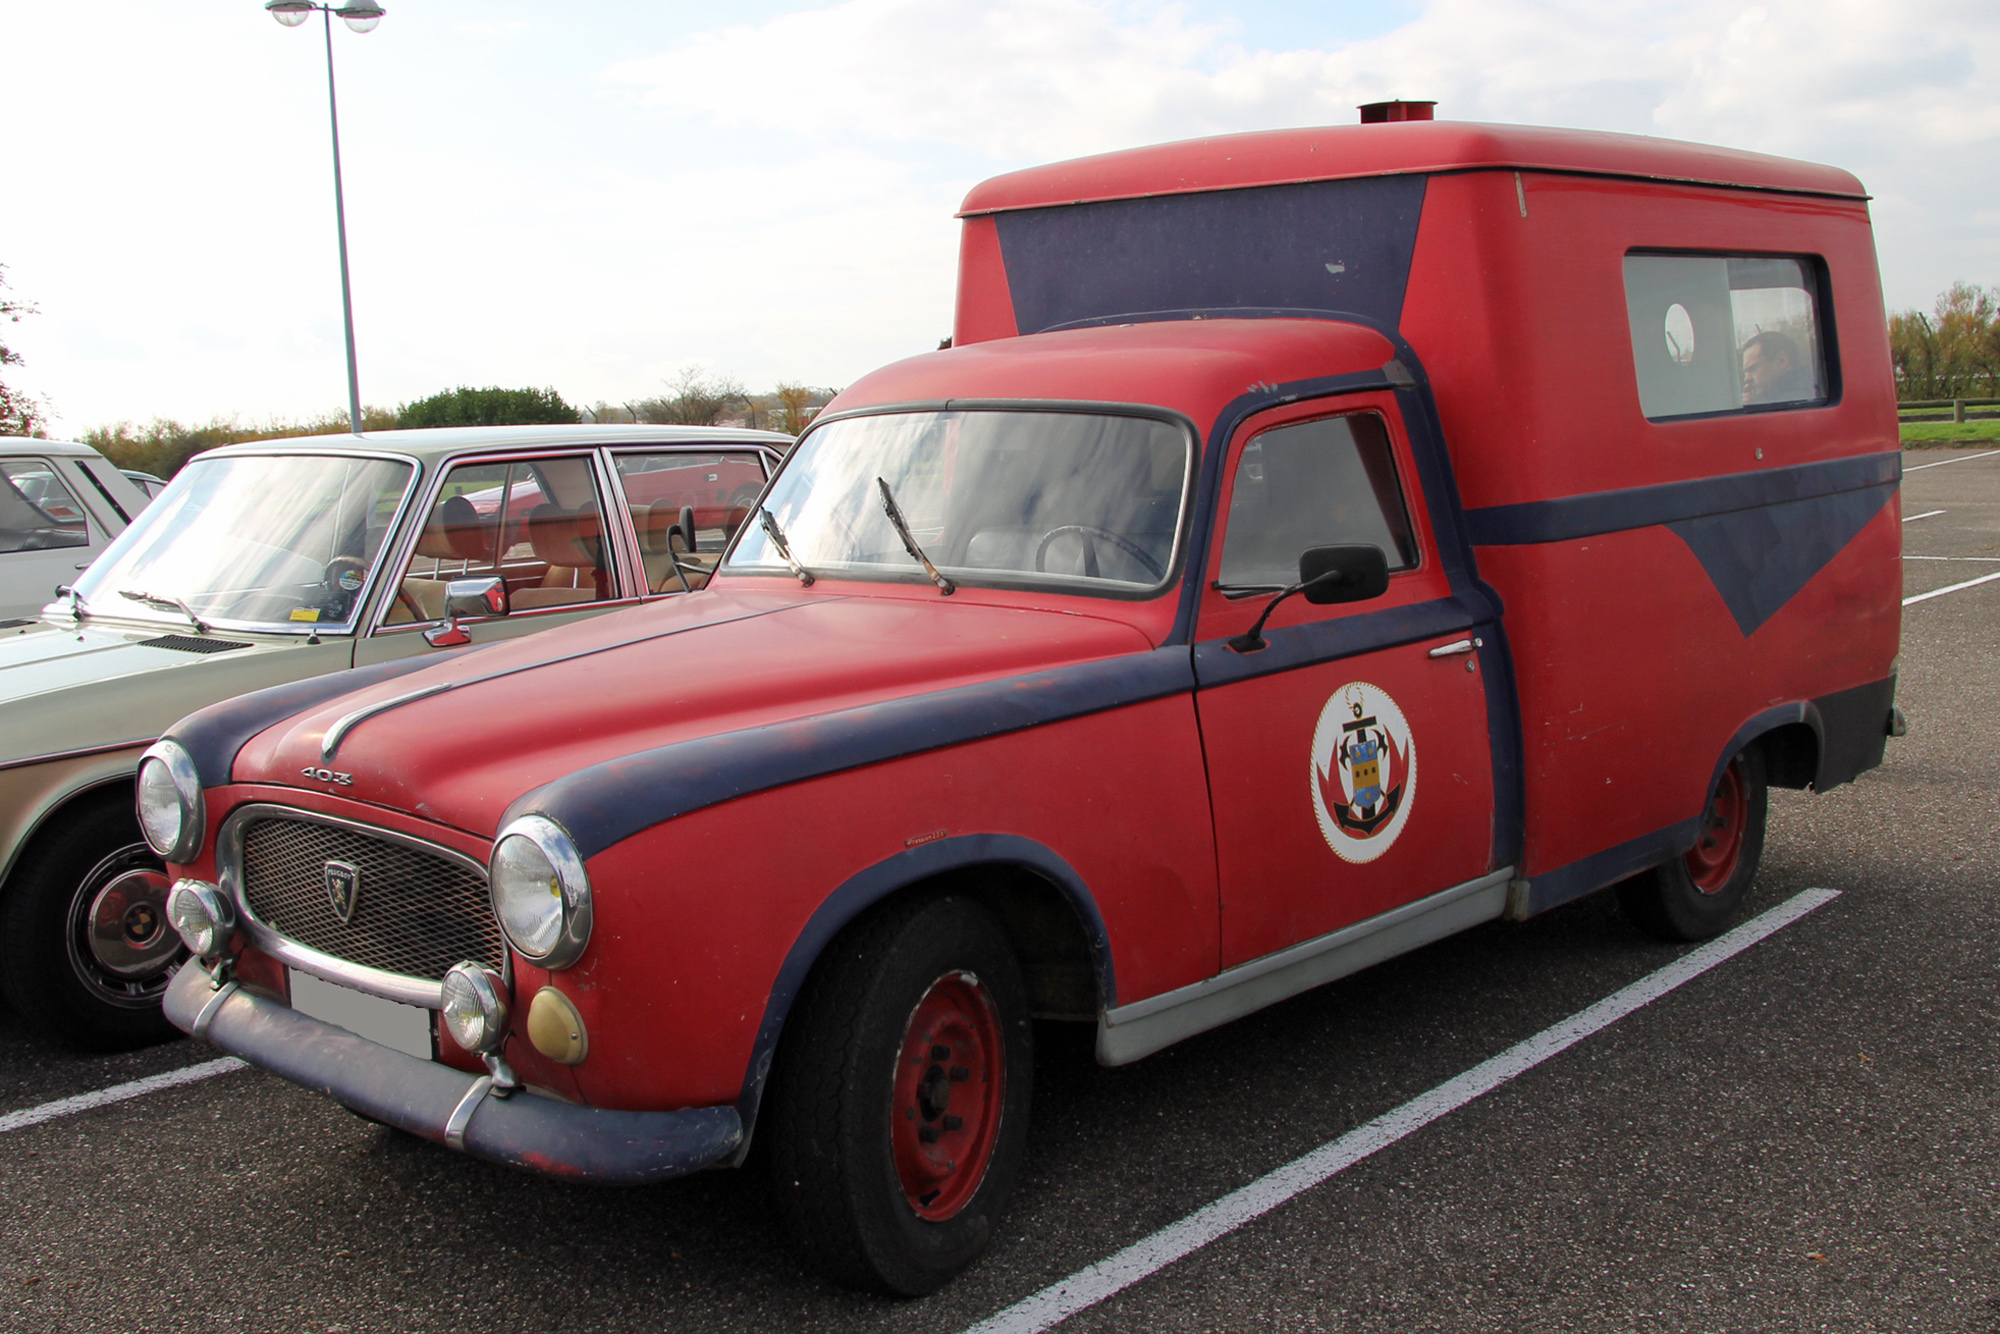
{"x":160,"y":603}
{"x":777,"y":536}
{"x":895,"y":513}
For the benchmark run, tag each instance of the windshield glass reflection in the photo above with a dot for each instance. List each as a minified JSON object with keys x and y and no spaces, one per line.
{"x":257,"y":541}
{"x":1086,"y":501}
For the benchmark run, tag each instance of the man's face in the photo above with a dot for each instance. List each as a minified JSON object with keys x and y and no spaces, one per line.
{"x":1762,"y":371}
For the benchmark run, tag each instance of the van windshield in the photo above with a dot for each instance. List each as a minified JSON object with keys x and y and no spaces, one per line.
{"x":1089,"y":502}
{"x":258,"y":542}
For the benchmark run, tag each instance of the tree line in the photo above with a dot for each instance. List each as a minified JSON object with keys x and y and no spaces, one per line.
{"x":1952,"y":352}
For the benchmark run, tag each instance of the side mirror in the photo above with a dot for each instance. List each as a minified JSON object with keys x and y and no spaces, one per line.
{"x":1352,"y":573}
{"x":467,"y":597}
{"x":482,"y":597}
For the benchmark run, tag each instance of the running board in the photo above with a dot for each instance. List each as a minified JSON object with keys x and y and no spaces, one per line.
{"x":1144,"y":1027}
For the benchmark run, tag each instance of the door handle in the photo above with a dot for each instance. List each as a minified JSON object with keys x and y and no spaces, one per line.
{"x":1456,"y":647}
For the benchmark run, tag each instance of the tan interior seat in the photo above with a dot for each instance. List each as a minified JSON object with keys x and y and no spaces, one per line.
{"x":454,"y":533}
{"x":572,"y":545}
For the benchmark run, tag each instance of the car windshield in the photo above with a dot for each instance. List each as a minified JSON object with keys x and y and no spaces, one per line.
{"x":1090,"y":502}
{"x":256,"y":541}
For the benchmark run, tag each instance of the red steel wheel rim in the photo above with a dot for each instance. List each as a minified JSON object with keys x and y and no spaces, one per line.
{"x":1713,"y":860}
{"x":950,"y":1082}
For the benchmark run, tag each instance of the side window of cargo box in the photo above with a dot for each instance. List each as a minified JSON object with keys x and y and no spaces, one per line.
{"x":1726,"y":333}
{"x":1309,"y":484}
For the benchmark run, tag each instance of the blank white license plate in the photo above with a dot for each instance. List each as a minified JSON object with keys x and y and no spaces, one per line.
{"x":404,"y":1028}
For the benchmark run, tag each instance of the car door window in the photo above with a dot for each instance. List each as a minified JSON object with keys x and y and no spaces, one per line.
{"x":538,"y":524}
{"x":37,"y":512}
{"x":1309,"y":484}
{"x":685,"y":508}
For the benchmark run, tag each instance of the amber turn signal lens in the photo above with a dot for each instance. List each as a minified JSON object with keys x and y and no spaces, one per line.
{"x":556,"y":1029}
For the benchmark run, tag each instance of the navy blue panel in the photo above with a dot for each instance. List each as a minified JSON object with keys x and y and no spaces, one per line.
{"x":1217,"y":664}
{"x":609,"y":802}
{"x":1318,"y":245}
{"x":213,"y":735}
{"x":1642,"y":506}
{"x":1759,"y":558}
{"x":885,"y":878}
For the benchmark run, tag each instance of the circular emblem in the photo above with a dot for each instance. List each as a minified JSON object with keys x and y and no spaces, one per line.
{"x":350,"y":581}
{"x":1364,"y":771}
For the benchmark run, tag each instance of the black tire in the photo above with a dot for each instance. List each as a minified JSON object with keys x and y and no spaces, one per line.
{"x":65,"y":985}
{"x":838,"y":1152}
{"x":1697,"y":895}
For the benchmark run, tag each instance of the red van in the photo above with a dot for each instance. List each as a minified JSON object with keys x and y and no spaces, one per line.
{"x":1315,"y":543}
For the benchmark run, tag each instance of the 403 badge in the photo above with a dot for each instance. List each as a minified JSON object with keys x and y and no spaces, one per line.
{"x":1364,"y":771}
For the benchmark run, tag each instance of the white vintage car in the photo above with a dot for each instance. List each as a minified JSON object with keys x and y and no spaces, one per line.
{"x":60,"y":504}
{"x":274,"y":562}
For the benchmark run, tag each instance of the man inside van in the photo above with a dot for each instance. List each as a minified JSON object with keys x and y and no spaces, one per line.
{"x":1774,"y":370}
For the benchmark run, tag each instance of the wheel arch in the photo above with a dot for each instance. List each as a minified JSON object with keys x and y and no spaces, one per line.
{"x":1039,"y":899}
{"x":57,"y":801}
{"x":1793,"y":738}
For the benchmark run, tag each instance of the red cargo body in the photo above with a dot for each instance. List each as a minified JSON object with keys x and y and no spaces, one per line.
{"x":1593,"y":437}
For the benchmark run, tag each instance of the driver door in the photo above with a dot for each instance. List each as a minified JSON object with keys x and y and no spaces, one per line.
{"x":1349,"y":763}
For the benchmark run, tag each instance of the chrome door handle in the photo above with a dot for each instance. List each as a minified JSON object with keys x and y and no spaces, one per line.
{"x":1457,"y":646}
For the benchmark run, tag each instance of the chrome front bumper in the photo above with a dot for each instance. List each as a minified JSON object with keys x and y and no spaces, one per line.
{"x":529,"y":1131}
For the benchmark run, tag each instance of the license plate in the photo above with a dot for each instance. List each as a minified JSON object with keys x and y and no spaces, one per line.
{"x":404,"y":1028}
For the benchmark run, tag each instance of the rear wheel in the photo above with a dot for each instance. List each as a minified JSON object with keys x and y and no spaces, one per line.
{"x":85,"y":946}
{"x":1697,"y":894}
{"x":898,"y":1110}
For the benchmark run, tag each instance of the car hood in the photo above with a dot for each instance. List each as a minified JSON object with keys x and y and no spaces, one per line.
{"x":458,"y":742}
{"x":67,"y":688}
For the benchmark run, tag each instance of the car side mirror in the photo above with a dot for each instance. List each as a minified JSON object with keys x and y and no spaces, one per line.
{"x":1348,"y":573}
{"x":478,"y":597}
{"x":467,"y":597}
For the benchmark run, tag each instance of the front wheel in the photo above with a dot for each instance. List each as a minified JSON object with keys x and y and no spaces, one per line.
{"x":898,"y":1110}
{"x":1696,"y":895}
{"x":85,"y":946}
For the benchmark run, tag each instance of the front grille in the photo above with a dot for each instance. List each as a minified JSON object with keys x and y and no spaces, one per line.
{"x":415,"y":912}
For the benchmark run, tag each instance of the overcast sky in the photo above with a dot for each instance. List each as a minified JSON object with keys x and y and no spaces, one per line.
{"x":593,"y":194}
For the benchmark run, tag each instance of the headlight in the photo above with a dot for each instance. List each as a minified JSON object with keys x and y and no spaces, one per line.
{"x":201,"y":915}
{"x":540,"y":893}
{"x":475,"y":1007}
{"x":171,"y":813}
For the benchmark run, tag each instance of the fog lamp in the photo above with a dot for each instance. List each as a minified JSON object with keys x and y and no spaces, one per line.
{"x":201,"y":915}
{"x":475,"y":1007}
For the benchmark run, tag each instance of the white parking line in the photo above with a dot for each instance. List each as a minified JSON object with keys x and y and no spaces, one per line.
{"x":1941,"y":462}
{"x":1927,"y":514}
{"x":1952,"y":588}
{"x":1112,"y":1275}
{"x":1976,"y":560}
{"x":138,"y":1088}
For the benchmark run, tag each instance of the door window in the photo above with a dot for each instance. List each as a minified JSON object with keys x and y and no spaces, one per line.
{"x":716,"y":492}
{"x":37,"y":512}
{"x":536,"y":523}
{"x":1310,"y":484}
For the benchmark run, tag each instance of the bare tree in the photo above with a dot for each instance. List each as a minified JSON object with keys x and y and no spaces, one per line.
{"x":798,"y":404}
{"x":696,"y":399}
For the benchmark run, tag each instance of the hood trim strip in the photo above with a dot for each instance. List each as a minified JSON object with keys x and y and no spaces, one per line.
{"x":606,"y":803}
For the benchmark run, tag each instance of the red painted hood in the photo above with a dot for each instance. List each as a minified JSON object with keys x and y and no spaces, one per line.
{"x":525,"y":712}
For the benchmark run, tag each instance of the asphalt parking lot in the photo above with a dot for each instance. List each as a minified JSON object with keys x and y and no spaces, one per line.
{"x":1799,"y":1138}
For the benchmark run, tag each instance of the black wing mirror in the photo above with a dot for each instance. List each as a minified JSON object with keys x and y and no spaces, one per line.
{"x":1343,"y":574}
{"x":1350,"y":573}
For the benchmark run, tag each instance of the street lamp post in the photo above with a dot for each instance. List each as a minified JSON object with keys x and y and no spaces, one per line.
{"x":360,"y":16}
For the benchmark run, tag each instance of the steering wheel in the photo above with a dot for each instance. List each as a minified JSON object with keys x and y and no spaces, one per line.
{"x":1118,"y":540}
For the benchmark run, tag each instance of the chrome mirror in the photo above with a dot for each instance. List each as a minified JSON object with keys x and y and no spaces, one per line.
{"x":467,"y":597}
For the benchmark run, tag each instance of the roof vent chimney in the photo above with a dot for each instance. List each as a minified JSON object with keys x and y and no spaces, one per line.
{"x":1375,"y":113}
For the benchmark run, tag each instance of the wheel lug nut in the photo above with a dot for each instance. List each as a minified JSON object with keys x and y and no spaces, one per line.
{"x":959,"y":1074}
{"x":927,"y":1134}
{"x":954,"y":1123}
